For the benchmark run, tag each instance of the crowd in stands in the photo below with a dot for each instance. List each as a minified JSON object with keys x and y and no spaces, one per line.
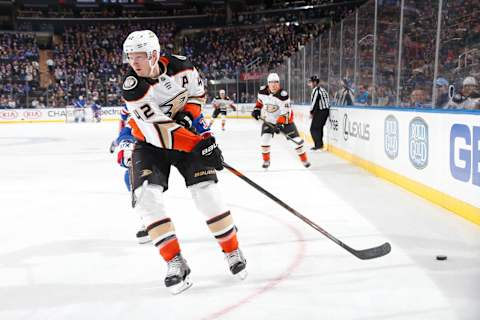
{"x":88,"y":65}
{"x":460,"y":33}
{"x":19,"y":68}
{"x":224,"y":53}
{"x":87,"y":59}
{"x":92,"y":66}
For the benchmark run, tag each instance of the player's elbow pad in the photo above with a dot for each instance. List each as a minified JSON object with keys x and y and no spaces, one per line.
{"x":125,"y":134}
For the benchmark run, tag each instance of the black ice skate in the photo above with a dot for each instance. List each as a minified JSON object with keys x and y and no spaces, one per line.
{"x":143,"y":237}
{"x":306,"y":164}
{"x":266,"y":164}
{"x":177,"y":279}
{"x":237,"y":263}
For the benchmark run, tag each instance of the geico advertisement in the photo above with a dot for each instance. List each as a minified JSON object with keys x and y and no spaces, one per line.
{"x":439,"y":150}
{"x":465,"y":154}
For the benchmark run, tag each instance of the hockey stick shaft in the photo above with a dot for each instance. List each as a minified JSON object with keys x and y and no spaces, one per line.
{"x":370,"y":253}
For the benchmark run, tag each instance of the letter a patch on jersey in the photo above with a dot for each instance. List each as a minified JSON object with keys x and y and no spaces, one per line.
{"x":130,"y":83}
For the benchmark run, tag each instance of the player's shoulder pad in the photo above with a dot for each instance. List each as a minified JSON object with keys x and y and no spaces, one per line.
{"x":263,"y":90}
{"x":282,"y":95}
{"x":177,"y":64}
{"x":134,"y":87}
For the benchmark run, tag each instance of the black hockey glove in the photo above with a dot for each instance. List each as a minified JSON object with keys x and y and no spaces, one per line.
{"x":256,"y":113}
{"x":278,"y":127}
{"x":208,"y":152}
{"x":184,"y":119}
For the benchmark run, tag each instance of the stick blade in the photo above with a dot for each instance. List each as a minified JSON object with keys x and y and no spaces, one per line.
{"x":373,"y":253}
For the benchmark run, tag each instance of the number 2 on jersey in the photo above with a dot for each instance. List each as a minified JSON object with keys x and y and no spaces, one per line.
{"x":146,"y":110}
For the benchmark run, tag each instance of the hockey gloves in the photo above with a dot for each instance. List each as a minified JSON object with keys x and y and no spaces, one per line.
{"x":277,"y":128}
{"x":124,"y":155}
{"x":256,"y":113}
{"x":184,"y":119}
{"x":208,"y":152}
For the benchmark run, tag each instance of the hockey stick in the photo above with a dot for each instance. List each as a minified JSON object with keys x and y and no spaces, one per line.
{"x":370,"y":253}
{"x":273,"y":127}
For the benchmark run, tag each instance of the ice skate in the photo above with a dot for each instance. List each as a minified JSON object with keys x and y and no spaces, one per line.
{"x":306,"y":164}
{"x":143,"y":237}
{"x":177,"y":279}
{"x":266,"y":164}
{"x":318,"y":149}
{"x":237,"y":264}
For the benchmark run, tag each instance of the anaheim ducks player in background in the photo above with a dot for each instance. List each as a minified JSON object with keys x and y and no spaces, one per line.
{"x":159,"y":124}
{"x":278,"y":118}
{"x":221,"y":103}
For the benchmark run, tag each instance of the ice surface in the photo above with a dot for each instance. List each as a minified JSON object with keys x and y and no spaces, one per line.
{"x":68,"y":247}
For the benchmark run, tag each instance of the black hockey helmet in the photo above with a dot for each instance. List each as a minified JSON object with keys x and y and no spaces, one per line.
{"x":314,"y":78}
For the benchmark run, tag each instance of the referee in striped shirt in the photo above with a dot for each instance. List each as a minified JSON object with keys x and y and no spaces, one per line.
{"x":318,"y":112}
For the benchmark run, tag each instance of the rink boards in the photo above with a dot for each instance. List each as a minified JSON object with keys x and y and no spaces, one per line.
{"x":107,"y":114}
{"x":53,"y":114}
{"x":435,"y":154}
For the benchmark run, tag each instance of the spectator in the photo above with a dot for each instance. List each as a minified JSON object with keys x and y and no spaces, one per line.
{"x":443,"y":98}
{"x":41,"y":103}
{"x":418,"y":99}
{"x":384,"y":97}
{"x":363,"y":97}
{"x":50,"y":65}
{"x":469,"y":98}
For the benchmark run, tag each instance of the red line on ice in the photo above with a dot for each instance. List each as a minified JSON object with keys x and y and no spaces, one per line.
{"x":272,"y":283}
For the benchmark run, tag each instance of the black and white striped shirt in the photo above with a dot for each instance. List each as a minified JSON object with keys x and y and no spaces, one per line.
{"x":319,"y":99}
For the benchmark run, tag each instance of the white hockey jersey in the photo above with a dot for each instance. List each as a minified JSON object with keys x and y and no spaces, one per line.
{"x":222,"y":104}
{"x":152,"y":103}
{"x":185,"y":74}
{"x":276,"y":106}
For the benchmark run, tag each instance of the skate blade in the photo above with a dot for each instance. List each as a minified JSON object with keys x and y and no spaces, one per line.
{"x":144,"y":240}
{"x":242,"y":275}
{"x":182,"y":286}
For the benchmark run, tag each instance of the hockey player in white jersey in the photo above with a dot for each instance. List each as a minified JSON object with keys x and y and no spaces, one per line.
{"x":278,"y":118}
{"x":186,"y":75}
{"x":221,"y":103}
{"x":156,"y":103}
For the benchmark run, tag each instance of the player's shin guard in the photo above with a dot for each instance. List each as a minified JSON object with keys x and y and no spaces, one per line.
{"x":207,"y":198}
{"x":150,"y":206}
{"x":266,"y":156}
{"x":224,"y":230}
{"x":163,"y":237}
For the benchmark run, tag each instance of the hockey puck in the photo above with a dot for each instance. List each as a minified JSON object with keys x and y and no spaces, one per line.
{"x":441,"y":257}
